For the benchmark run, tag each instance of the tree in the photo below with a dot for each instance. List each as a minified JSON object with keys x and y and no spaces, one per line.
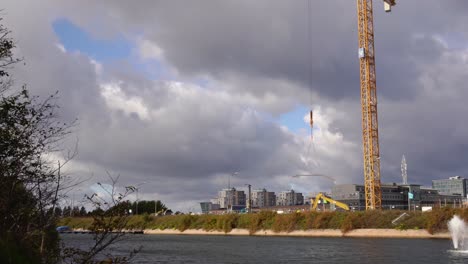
{"x":31,"y":186}
{"x":110,"y":219}
{"x":66,"y":211}
{"x":160,"y":207}
{"x":29,"y":183}
{"x":58,"y":211}
{"x":148,"y":207}
{"x":82,"y":211}
{"x":6,"y":51}
{"x":76,"y":211}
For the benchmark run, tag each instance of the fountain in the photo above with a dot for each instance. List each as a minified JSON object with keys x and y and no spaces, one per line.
{"x":458,"y":231}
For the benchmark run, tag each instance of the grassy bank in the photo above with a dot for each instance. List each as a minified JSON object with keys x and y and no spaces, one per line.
{"x":435,"y":221}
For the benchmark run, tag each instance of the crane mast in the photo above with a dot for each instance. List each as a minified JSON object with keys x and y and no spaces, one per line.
{"x":370,"y":131}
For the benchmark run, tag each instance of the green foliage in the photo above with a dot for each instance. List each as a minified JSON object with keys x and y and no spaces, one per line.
{"x":166,"y":222}
{"x":437,"y":220}
{"x":145,"y":207}
{"x":287,"y":222}
{"x":267,"y":220}
{"x":346,"y":221}
{"x":12,"y":251}
{"x":84,"y":223}
{"x":28,"y":131}
{"x":259,"y":221}
{"x":185,"y":222}
{"x":227,"y":222}
{"x":417,"y":220}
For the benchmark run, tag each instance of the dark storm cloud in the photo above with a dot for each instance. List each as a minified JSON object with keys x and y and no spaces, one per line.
{"x":269,"y":38}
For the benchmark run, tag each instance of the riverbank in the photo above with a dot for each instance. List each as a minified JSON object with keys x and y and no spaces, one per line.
{"x":357,"y":233}
{"x":358,"y":224}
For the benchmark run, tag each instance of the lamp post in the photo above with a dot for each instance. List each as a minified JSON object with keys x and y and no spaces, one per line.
{"x":229,"y":193}
{"x":73,"y":202}
{"x":249,"y":200}
{"x":155,"y":207}
{"x":137,"y":189}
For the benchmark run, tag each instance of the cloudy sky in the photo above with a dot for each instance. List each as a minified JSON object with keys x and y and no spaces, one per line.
{"x":177,"y":95}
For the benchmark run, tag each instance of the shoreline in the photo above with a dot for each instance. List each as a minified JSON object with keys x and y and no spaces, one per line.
{"x":356,"y":233}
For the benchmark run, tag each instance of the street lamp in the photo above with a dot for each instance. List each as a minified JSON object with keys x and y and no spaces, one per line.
{"x":229,"y":190}
{"x":249,"y":200}
{"x":73,"y":201}
{"x":137,"y":189}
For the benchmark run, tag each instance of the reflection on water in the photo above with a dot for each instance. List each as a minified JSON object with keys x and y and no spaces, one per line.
{"x":229,"y":249}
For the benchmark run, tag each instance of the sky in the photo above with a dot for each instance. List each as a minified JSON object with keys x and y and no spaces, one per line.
{"x":175,"y":96}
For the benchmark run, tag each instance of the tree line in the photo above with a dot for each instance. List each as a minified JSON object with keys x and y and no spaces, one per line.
{"x":140,"y":207}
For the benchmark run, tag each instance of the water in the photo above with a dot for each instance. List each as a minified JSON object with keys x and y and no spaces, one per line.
{"x":246,"y":249}
{"x":458,"y":231}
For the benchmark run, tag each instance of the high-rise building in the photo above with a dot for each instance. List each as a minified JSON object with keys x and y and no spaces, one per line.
{"x":263,"y":198}
{"x":231,"y":197}
{"x":452,"y":186}
{"x":289,"y":198}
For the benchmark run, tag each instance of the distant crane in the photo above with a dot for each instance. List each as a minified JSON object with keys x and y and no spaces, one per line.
{"x":315,"y":175}
{"x":370,"y":133}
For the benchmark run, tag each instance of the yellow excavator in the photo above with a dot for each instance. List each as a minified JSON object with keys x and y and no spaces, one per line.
{"x":328,"y":199}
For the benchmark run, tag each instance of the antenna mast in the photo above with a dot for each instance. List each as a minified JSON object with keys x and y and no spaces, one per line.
{"x":404,"y":168}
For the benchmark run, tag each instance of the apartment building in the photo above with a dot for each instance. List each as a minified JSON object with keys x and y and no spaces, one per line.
{"x":263,"y":198}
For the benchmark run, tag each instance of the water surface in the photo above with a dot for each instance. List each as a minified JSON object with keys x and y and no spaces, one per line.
{"x":248,"y":249}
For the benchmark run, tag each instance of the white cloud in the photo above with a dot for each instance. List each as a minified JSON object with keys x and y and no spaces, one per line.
{"x":61,"y":47}
{"x":149,"y":50}
{"x":116,"y":99}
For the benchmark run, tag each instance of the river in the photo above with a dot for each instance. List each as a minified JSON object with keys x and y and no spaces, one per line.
{"x":249,"y":249}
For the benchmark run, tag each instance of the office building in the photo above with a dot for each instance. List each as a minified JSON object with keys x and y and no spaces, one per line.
{"x":452,"y":186}
{"x":206,"y":207}
{"x":394,"y":196}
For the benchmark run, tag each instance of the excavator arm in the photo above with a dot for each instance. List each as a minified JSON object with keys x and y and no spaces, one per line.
{"x":330,"y":200}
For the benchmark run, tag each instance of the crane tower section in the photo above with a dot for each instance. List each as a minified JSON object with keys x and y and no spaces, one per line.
{"x":370,"y":132}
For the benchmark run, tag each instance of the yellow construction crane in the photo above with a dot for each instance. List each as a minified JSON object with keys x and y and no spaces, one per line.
{"x":328,"y":199}
{"x":370,"y":133}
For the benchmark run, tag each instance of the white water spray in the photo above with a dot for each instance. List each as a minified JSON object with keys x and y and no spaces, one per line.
{"x":458,"y":231}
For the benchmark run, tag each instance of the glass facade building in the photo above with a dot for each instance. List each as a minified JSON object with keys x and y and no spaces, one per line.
{"x":452,"y":186}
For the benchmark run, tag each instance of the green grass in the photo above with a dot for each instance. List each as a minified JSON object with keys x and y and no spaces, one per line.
{"x":433,"y":222}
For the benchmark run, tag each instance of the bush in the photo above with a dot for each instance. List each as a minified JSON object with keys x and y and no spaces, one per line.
{"x":227,"y":222}
{"x":185,"y":222}
{"x":434,"y":221}
{"x":287,"y":222}
{"x":261,"y":221}
{"x":438,"y":218}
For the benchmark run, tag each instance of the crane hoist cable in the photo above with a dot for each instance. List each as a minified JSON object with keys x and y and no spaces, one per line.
{"x":309,"y":83}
